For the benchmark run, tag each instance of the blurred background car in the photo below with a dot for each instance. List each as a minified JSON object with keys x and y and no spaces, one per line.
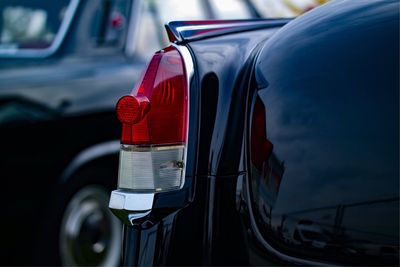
{"x":63,"y":65}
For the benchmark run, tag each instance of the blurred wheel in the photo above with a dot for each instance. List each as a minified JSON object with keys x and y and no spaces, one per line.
{"x":90,"y":234}
{"x":76,"y":227}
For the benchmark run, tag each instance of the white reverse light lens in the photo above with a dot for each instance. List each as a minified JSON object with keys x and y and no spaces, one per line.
{"x":151,"y":168}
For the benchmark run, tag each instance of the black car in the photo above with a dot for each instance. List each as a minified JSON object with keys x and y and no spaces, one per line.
{"x":63,"y":65}
{"x":266,"y":142}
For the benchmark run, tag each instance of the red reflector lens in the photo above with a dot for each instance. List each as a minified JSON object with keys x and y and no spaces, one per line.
{"x":131,"y":110}
{"x":127,"y":109}
{"x":164,"y":88}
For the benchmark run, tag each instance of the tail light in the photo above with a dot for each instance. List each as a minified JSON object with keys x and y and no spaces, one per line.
{"x":154,"y":126}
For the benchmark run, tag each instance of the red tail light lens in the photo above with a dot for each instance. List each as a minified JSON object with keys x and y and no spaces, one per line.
{"x":156,"y":113}
{"x":154,"y":126}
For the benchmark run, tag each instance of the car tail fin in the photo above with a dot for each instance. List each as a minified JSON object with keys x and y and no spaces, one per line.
{"x":183,"y":31}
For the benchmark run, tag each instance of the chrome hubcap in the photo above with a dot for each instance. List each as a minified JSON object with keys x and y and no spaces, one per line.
{"x":90,"y":234}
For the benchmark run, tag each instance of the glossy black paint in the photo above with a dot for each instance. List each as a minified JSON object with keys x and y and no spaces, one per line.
{"x":329,"y":83}
{"x":197,"y":219}
{"x":51,"y":110}
{"x":332,"y":103}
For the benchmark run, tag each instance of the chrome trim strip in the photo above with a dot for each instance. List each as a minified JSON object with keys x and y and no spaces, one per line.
{"x":189,"y":71}
{"x":134,"y":216}
{"x":90,"y":154}
{"x":180,"y":31}
{"x":130,"y":207}
{"x":136,"y":148}
{"x":46,"y":52}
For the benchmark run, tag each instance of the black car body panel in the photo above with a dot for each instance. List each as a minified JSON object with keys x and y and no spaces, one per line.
{"x":332,"y":117}
{"x":326,"y":86}
{"x":165,"y":241}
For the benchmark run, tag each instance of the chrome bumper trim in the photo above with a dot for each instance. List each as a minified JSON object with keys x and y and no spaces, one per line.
{"x":122,"y":200}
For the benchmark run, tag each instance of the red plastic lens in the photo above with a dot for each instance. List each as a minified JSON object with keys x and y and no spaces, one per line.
{"x":164,"y":88}
{"x":131,"y":109}
{"x":261,"y":147}
{"x":127,"y":109}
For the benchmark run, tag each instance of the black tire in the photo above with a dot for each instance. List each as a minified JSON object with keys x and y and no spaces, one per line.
{"x":77,"y":228}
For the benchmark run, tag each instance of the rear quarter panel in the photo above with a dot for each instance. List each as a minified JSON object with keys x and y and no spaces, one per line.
{"x":331,"y":97}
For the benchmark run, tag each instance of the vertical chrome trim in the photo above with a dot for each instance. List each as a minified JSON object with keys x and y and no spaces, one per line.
{"x":46,"y":52}
{"x":189,"y":71}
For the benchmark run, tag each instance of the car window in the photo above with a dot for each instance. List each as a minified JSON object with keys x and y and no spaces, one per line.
{"x":101,"y":27}
{"x":179,"y":10}
{"x":230,"y":9}
{"x":284,"y":8}
{"x":155,"y":14}
{"x":30,"y":24}
{"x":148,"y":36}
{"x":109,"y":22}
